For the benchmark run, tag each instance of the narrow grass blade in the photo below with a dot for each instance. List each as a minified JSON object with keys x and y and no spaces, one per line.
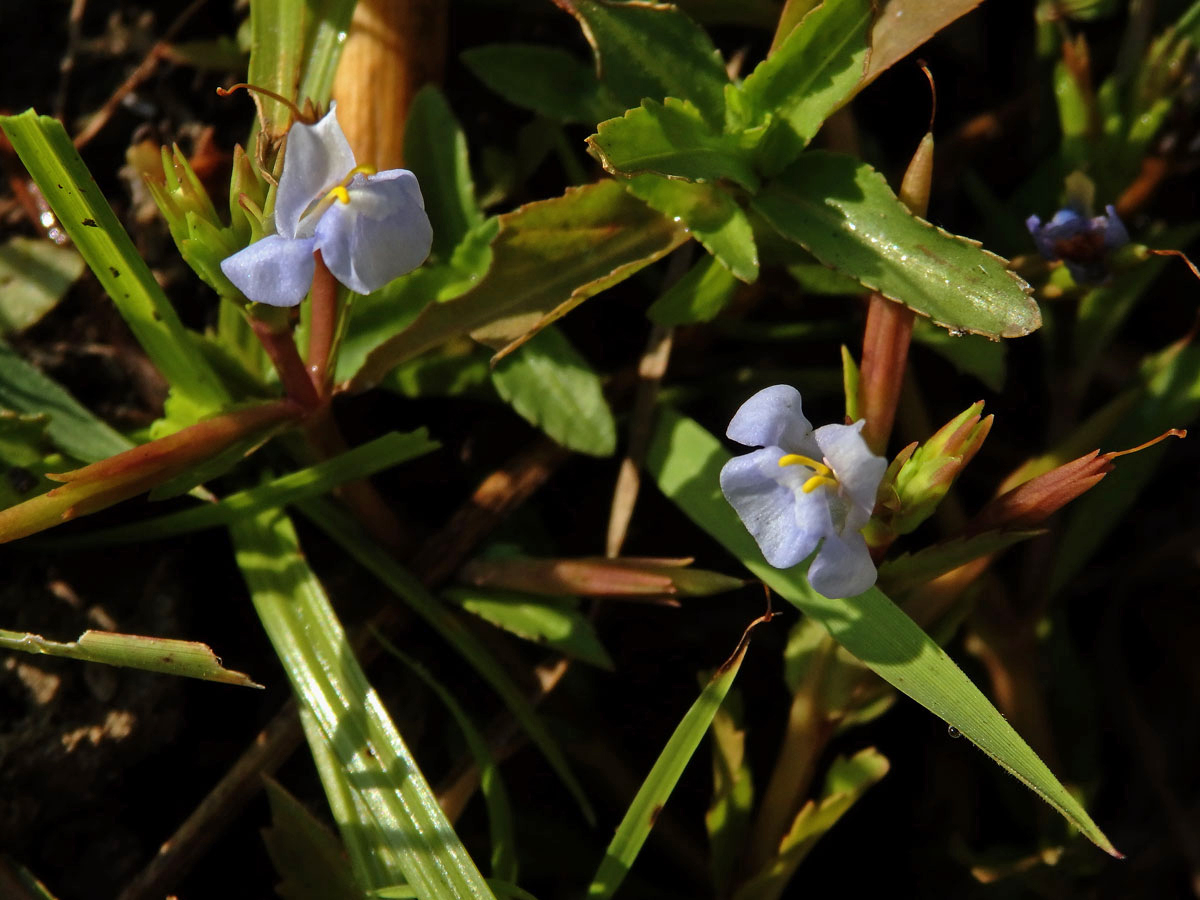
{"x":134,"y":651}
{"x":373,"y":860}
{"x":686,"y":462}
{"x":47,"y":152}
{"x":346,"y":532}
{"x":331,"y":685}
{"x":656,"y":789}
{"x":375,"y":456}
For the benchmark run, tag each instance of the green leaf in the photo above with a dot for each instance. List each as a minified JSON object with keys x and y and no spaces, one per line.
{"x":1076,"y":113}
{"x":551,"y":622}
{"x":686,"y":462}
{"x":547,"y":80}
{"x":842,"y":211}
{"x":353,"y":726}
{"x":295,"y":46}
{"x":34,"y":275}
{"x":326,"y":24}
{"x":390,"y":310}
{"x":435,"y":149}
{"x":904,"y":25}
{"x":500,"y":820}
{"x":710,"y":213}
{"x":548,"y":258}
{"x":47,"y":152}
{"x":134,"y":651}
{"x":810,"y":75}
{"x":550,"y":385}
{"x":361,"y":462}
{"x":664,"y":775}
{"x":653,"y":50}
{"x":458,"y":369}
{"x":72,"y":428}
{"x":276,"y":50}
{"x":309,"y":859}
{"x":970,"y":354}
{"x":698,"y":296}
{"x":347,"y":534}
{"x":672,"y":139}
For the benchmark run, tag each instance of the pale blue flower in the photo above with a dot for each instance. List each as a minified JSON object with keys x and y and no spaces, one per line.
{"x":805,"y":488}
{"x":370,"y":227}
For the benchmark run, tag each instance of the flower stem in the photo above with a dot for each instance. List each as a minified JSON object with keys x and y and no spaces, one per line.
{"x":282,"y":350}
{"x":322,"y":325}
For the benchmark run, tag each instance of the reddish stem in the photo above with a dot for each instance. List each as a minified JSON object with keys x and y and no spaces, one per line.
{"x":322,"y":325}
{"x":282,"y":350}
{"x":885,"y":353}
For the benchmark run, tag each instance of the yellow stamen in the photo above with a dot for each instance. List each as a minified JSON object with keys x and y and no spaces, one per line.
{"x":816,"y":481}
{"x":793,"y":459}
{"x":359,"y":170}
{"x":339,"y":193}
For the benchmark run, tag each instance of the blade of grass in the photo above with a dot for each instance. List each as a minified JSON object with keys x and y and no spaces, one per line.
{"x":345,"y":532}
{"x":664,"y":775}
{"x":48,"y":154}
{"x":134,"y":651}
{"x":367,"y":459}
{"x":329,"y":683}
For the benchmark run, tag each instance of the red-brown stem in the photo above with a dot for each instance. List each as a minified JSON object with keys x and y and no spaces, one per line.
{"x":322,"y":325}
{"x":885,"y":353}
{"x":139,"y":469}
{"x":282,"y":350}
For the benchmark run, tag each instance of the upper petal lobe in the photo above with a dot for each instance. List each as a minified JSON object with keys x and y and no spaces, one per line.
{"x":773,"y":417}
{"x":317,"y":158}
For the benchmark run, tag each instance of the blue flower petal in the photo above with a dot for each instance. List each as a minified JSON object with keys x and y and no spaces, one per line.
{"x":1115,"y":234}
{"x":773,"y":417}
{"x":276,"y":270}
{"x":786,"y":525}
{"x":381,"y":234}
{"x":843,"y":567}
{"x":316,"y":159}
{"x":856,"y":468}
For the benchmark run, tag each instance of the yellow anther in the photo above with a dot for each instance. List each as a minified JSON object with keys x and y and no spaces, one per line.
{"x":339,"y":193}
{"x":794,"y":459}
{"x":359,"y":170}
{"x":816,"y":481}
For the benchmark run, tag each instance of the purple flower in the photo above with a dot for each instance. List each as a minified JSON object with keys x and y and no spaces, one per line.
{"x":370,"y":226}
{"x":1082,"y":243}
{"x":804,"y":488}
